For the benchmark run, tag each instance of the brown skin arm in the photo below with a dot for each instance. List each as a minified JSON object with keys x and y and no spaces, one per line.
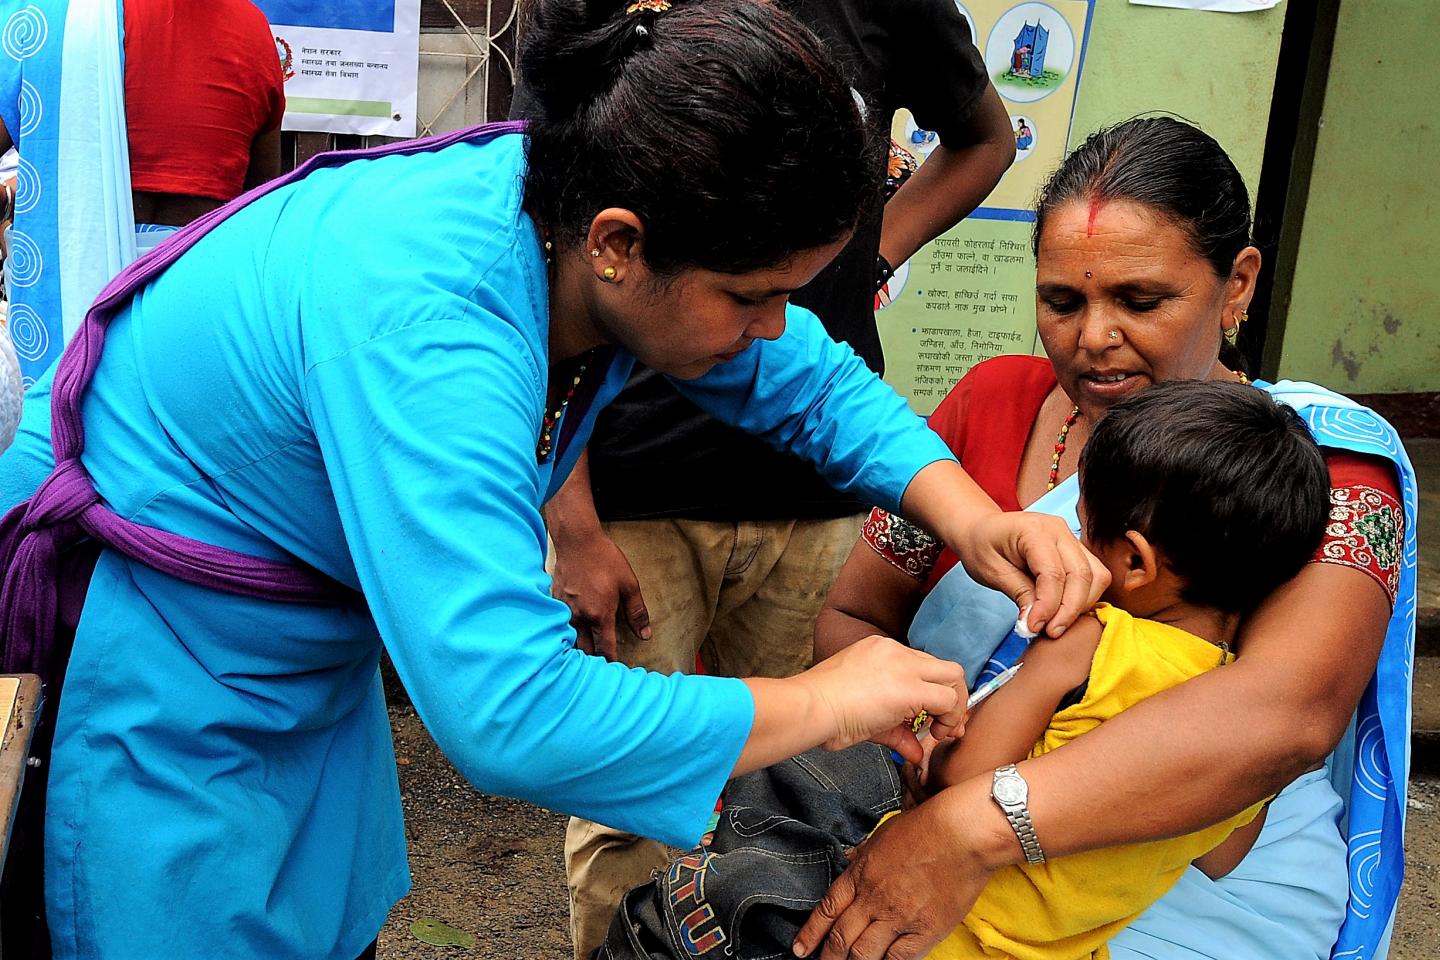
{"x":869,"y":596}
{"x":952,"y":181}
{"x":1228,"y":855}
{"x":1162,"y":768}
{"x":1176,"y":763}
{"x":264,"y":159}
{"x":1005,"y":727}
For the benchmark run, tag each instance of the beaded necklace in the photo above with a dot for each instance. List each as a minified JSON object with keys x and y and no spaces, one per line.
{"x":1060,"y":446}
{"x":1065,"y":432}
{"x":552,"y":418}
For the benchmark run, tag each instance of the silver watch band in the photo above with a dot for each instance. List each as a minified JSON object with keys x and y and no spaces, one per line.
{"x":1010,"y":792}
{"x":1025,"y":831}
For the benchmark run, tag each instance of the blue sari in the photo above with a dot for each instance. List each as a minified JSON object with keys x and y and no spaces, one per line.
{"x":1280,"y":903}
{"x":62,"y":99}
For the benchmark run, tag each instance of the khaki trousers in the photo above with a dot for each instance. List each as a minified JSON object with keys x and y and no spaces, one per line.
{"x":743,"y":597}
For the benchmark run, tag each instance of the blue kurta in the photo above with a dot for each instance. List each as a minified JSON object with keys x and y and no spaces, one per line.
{"x":351,"y":371}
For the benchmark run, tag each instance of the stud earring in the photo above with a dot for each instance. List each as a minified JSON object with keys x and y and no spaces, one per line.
{"x":595,"y":252}
{"x":609,"y":273}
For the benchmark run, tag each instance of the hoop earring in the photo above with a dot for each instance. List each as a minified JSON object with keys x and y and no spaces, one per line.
{"x":1233,"y":333}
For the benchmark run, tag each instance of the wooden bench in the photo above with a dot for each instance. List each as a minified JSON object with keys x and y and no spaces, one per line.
{"x":20,"y":699}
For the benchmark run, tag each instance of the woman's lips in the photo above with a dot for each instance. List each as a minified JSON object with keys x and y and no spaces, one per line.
{"x":731,"y":354}
{"x":1110,"y":385}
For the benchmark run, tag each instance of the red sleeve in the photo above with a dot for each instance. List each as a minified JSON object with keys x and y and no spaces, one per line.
{"x":1366,"y":527}
{"x":274,"y":94}
{"x":905,"y":546}
{"x":986,"y":420}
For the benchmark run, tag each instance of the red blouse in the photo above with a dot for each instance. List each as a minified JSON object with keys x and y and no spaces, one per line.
{"x":202,"y":81}
{"x":986,"y":420}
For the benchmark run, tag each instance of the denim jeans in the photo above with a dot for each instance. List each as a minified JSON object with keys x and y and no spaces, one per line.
{"x":782,"y":839}
{"x":743,"y":596}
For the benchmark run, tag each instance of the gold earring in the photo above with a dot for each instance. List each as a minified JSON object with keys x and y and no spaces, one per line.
{"x":1233,"y":333}
{"x":609,"y":273}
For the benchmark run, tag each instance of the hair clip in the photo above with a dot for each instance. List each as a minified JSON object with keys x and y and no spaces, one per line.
{"x":647,"y":6}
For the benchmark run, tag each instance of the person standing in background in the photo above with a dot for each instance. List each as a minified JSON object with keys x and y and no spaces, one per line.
{"x":159,"y":122}
{"x":679,"y":536}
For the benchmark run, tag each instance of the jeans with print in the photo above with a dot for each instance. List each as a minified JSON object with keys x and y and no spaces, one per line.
{"x":781,"y":840}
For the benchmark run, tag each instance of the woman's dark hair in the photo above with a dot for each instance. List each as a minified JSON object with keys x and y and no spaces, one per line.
{"x":1168,"y":165}
{"x":722,"y":124}
{"x":1228,"y":484}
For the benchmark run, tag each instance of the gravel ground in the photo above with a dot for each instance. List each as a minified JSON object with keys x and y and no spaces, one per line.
{"x":492,"y":868}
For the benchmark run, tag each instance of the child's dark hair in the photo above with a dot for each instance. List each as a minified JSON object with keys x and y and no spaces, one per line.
{"x":722,"y":124}
{"x":1228,"y":484}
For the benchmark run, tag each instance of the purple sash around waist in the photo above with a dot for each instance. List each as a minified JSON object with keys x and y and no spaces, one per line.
{"x":66,"y":507}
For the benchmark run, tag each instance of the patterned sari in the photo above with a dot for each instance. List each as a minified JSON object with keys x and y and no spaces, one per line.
{"x":62,"y":98}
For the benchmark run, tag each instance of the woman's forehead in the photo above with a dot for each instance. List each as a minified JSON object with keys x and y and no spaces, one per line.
{"x":1112,"y":229}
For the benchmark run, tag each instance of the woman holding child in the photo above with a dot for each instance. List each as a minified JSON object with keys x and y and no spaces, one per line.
{"x":357,"y":454}
{"x":1145,"y":267}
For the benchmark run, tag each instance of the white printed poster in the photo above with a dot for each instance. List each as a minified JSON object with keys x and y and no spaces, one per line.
{"x":969,"y":294}
{"x":351,"y":66}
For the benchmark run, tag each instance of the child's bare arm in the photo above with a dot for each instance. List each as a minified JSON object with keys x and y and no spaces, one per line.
{"x":1226,"y":857}
{"x":1004,"y":728}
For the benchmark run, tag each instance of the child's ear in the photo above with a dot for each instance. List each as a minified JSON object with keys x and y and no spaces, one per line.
{"x":1142,"y":565}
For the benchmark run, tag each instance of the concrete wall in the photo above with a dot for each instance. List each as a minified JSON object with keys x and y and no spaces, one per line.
{"x":1217,"y":70}
{"x":1365,"y":308}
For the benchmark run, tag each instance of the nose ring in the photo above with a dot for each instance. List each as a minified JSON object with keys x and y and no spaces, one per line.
{"x":1114,"y":334}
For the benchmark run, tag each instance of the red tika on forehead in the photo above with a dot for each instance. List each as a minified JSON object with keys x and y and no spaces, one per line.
{"x":1095,"y":204}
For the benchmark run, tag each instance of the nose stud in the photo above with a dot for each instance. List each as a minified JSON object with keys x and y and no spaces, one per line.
{"x":1089,"y":275}
{"x":1114,"y":334}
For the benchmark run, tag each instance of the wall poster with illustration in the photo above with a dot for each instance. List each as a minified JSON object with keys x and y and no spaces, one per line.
{"x":970,"y":294}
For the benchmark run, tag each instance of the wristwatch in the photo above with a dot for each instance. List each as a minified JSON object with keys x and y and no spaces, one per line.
{"x":1010,"y":790}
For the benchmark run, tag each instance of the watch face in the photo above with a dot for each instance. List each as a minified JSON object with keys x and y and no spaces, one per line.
{"x":1010,"y":790}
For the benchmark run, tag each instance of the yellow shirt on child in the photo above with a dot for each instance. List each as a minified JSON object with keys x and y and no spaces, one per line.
{"x":1069,"y":908}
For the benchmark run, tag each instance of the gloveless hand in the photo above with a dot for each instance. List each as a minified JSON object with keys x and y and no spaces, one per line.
{"x":907,"y":886}
{"x":872,"y":689}
{"x":1037,"y":562}
{"x":597,"y":583}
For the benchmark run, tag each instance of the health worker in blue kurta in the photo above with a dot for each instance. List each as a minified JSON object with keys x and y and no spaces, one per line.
{"x":375,"y":372}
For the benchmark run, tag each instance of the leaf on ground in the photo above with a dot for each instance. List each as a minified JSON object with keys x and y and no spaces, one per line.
{"x":440,"y":934}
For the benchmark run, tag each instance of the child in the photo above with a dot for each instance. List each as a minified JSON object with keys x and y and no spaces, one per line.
{"x":1200,"y":498}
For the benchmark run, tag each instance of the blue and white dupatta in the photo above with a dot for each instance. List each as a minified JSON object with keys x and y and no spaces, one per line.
{"x":62,"y":98}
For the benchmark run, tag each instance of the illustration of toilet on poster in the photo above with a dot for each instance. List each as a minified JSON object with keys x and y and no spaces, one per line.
{"x":969,"y":294}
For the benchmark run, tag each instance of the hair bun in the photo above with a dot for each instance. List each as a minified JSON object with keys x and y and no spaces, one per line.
{"x":573,"y":49}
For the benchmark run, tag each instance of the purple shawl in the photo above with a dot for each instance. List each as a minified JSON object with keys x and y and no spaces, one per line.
{"x":66,"y":508}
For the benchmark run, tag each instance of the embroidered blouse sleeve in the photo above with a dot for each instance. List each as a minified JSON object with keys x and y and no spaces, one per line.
{"x":908,"y":548}
{"x":1366,"y":527}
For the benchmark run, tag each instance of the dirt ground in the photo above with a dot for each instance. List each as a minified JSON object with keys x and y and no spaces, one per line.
{"x":492,"y":868}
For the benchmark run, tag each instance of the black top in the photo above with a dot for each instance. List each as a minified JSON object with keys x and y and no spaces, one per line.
{"x":655,"y":453}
